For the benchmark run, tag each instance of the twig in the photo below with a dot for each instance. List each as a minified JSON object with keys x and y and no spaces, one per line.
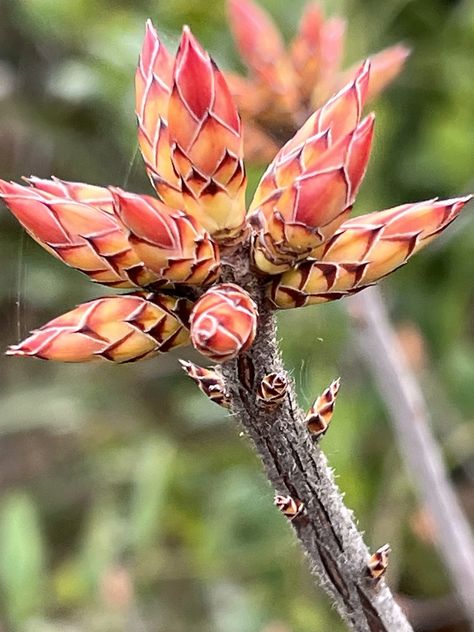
{"x":295,"y":467}
{"x":418,"y":447}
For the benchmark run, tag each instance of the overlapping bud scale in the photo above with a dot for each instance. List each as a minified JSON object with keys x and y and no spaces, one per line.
{"x":224,"y":322}
{"x":284,"y":85}
{"x":75,"y":222}
{"x":190,"y":138}
{"x":362,"y":251}
{"x":153,"y":81}
{"x":206,"y":143}
{"x":115,"y":328}
{"x":170,"y":243}
{"x":308,"y":190}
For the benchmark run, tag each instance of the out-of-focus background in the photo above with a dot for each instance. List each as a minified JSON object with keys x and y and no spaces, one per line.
{"x":128,"y":502}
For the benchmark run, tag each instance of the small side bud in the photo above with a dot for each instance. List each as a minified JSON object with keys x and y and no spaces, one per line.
{"x":320,"y":414}
{"x":378,"y":562}
{"x":273,"y":388}
{"x":209,"y":381}
{"x":289,"y":507}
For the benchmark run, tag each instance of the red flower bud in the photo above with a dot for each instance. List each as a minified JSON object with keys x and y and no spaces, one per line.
{"x":223,"y":322}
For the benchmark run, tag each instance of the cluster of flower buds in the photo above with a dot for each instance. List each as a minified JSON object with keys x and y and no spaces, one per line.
{"x":378,"y":562}
{"x":284,"y":83}
{"x":297,"y":230}
{"x":320,"y":414}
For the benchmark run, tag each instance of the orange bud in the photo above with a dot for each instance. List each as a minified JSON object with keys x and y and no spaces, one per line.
{"x":362,"y":251}
{"x":206,"y":143}
{"x":153,"y":80}
{"x":209,"y":381}
{"x":116,"y":328}
{"x":320,"y":414}
{"x":76,"y":224}
{"x":223,"y":322}
{"x":169,"y":242}
{"x":305,"y":195}
{"x":262,"y":48}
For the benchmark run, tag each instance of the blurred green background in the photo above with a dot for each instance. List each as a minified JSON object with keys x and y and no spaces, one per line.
{"x":129,"y":502}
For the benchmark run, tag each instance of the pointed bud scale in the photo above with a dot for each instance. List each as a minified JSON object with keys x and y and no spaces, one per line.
{"x":98,"y":197}
{"x":75,"y":223}
{"x":340,"y":114}
{"x":378,"y":562}
{"x":273,"y":388}
{"x":169,"y":242}
{"x":206,"y":143}
{"x":209,"y":381}
{"x":289,"y":507}
{"x":261,"y":46}
{"x":153,"y":80}
{"x":333,"y":33}
{"x":116,"y":328}
{"x":362,"y":251}
{"x":320,"y":414}
{"x":304,"y":197}
{"x":223,"y":322}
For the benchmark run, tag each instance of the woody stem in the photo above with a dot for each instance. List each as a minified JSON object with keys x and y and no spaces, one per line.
{"x":294,"y":466}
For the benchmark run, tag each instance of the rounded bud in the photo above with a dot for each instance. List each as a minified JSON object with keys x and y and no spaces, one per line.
{"x":223,"y":322}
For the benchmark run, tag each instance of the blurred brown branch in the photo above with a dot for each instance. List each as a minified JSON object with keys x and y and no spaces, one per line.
{"x":409,"y":413}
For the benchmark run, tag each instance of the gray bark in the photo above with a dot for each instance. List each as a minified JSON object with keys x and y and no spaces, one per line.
{"x":295,"y":466}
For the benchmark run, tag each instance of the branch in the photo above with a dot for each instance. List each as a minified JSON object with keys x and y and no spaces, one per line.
{"x":294,"y":466}
{"x":404,"y":399}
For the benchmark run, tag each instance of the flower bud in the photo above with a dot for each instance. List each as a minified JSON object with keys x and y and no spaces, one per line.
{"x":75,"y":222}
{"x":115,"y":328}
{"x":206,"y":143}
{"x":223,"y":322}
{"x":362,"y":251}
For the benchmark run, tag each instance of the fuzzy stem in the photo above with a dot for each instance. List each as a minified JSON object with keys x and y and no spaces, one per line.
{"x":294,"y":466}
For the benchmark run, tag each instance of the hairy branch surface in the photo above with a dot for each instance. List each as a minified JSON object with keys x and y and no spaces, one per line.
{"x":296,"y":467}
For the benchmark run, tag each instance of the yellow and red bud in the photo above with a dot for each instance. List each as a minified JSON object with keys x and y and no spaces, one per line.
{"x":304,"y":196}
{"x":209,"y":381}
{"x":362,"y":251}
{"x":223,"y":322}
{"x":153,"y":80}
{"x":116,"y":328}
{"x":320,"y":414}
{"x":75,"y":223}
{"x":206,"y":143}
{"x":169,"y":242}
